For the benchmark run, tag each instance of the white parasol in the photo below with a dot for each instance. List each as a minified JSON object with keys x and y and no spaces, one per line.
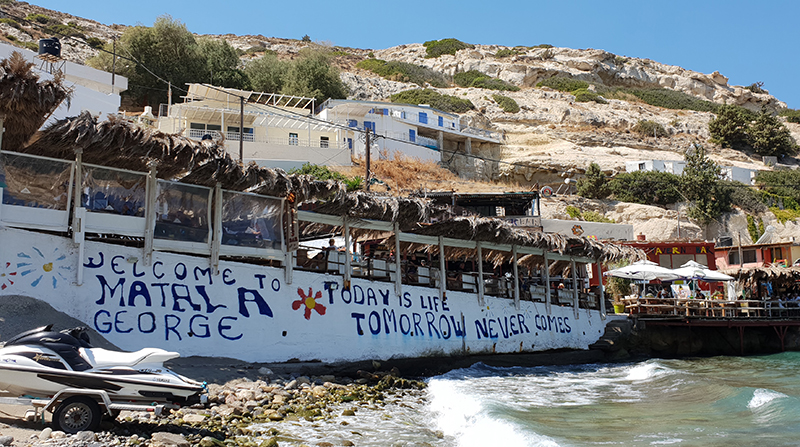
{"x":644,"y":271}
{"x":695,"y":271}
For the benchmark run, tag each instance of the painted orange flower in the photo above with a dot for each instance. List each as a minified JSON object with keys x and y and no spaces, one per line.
{"x":310,"y":301}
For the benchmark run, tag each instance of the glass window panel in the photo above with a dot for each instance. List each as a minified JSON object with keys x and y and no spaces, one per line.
{"x":112,"y":191}
{"x":213,"y":127}
{"x":748,"y":256}
{"x":35,"y":182}
{"x":250,"y":220}
{"x":665,"y":261}
{"x":182,"y":212}
{"x":197,"y":126}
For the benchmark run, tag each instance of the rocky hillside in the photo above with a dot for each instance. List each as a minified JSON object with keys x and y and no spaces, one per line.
{"x":551,"y":137}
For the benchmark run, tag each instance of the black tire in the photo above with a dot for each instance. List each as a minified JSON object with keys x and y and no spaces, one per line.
{"x":77,"y":413}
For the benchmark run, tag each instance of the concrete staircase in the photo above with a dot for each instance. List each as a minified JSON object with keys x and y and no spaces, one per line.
{"x":613,"y":339}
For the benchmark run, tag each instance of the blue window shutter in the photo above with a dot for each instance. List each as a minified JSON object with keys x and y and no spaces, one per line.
{"x":352,"y":123}
{"x":423,"y":117}
{"x":386,"y":112}
{"x":412,"y":135}
{"x":441,"y":121}
{"x":349,"y":143}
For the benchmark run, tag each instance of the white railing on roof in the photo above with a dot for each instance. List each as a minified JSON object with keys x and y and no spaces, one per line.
{"x":198,"y":134}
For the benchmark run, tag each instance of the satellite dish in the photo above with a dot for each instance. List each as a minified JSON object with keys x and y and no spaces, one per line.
{"x":546,"y":192}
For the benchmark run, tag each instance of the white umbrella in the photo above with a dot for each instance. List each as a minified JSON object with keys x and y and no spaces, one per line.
{"x":644,"y":271}
{"x":696,"y":271}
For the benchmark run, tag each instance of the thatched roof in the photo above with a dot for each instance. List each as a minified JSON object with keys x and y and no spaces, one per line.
{"x":120,"y":143}
{"x":751,"y":275}
{"x":25,"y":102}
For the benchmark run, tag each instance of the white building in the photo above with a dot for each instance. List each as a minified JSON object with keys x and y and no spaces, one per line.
{"x":279,"y":130}
{"x":412,"y":130}
{"x":733,"y":173}
{"x":93,"y":90}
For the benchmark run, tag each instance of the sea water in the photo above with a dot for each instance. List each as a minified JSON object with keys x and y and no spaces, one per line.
{"x":725,"y":401}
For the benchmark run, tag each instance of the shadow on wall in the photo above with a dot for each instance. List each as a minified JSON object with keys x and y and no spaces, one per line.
{"x":21,"y":313}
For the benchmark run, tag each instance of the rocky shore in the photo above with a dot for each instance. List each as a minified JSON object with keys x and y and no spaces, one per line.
{"x":240,"y":412}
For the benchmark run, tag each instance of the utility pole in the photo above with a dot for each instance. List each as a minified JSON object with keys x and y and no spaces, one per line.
{"x":366,"y":179}
{"x":113,"y":62}
{"x":241,"y":129}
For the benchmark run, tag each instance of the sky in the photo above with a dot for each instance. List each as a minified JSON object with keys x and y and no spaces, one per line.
{"x":746,"y":41}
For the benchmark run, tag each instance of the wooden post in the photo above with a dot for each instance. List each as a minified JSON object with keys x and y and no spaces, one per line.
{"x":216,"y":239}
{"x":241,"y":129}
{"x":442,"y":272}
{"x":548,"y":301}
{"x":481,"y":288}
{"x":398,"y":279}
{"x":516,"y":275}
{"x":368,"y":150}
{"x":348,"y":266}
{"x":575,"y":300}
{"x":602,"y":292}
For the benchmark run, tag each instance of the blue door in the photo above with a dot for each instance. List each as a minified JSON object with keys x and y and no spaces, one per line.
{"x":412,"y":135}
{"x":370,"y":125}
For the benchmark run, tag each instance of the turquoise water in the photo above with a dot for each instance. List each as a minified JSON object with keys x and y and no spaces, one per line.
{"x":726,"y":401}
{"x":720,"y":401}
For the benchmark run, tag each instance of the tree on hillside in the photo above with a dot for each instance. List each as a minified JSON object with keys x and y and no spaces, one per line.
{"x":222,"y":64}
{"x":167,"y":51}
{"x":313,"y":76}
{"x":267,"y":73}
{"x":701,"y":184}
{"x":594,"y":185}
{"x":769,"y":136}
{"x":729,"y":128}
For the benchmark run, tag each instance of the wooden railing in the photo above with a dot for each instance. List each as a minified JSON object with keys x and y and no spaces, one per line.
{"x":693,"y":307}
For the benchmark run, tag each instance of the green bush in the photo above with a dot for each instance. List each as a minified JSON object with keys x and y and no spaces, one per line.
{"x":507,"y":104}
{"x":10,"y":22}
{"x":40,"y":18}
{"x":324,"y":173}
{"x":474,"y":78}
{"x":60,"y":29}
{"x":563,"y":84}
{"x":584,"y":95}
{"x":593,"y":216}
{"x":95,"y":42}
{"x":573,"y":212}
{"x":792,"y":115}
{"x":435,"y":99}
{"x":542,"y":45}
{"x":729,"y":128}
{"x":647,"y":128}
{"x":756,"y":87}
{"x":436,"y":48}
{"x":754,"y":229}
{"x":646,"y":187}
{"x":744,"y":197}
{"x":779,"y":185}
{"x":619,"y":60}
{"x":11,"y":38}
{"x":767,"y":135}
{"x":404,"y":72}
{"x":507,"y":52}
{"x":594,"y":184}
{"x":33,"y":46}
{"x":784,"y":215}
{"x":671,"y":99}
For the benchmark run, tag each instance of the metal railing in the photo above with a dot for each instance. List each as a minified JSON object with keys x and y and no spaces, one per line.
{"x":198,"y":134}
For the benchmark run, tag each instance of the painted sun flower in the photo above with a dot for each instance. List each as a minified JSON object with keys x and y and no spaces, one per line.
{"x":310,"y":301}
{"x":50,"y":267}
{"x":7,"y":276}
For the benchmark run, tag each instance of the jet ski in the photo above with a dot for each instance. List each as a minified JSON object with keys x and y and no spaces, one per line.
{"x":41,"y":362}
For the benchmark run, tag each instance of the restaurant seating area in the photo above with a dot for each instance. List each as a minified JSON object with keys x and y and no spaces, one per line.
{"x":694,"y":307}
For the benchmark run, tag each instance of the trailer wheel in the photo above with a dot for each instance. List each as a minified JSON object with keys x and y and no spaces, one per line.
{"x":77,"y":413}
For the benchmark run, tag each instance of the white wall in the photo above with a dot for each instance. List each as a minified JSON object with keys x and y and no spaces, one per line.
{"x":602,"y":231}
{"x":92,"y":89}
{"x":250,"y":313}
